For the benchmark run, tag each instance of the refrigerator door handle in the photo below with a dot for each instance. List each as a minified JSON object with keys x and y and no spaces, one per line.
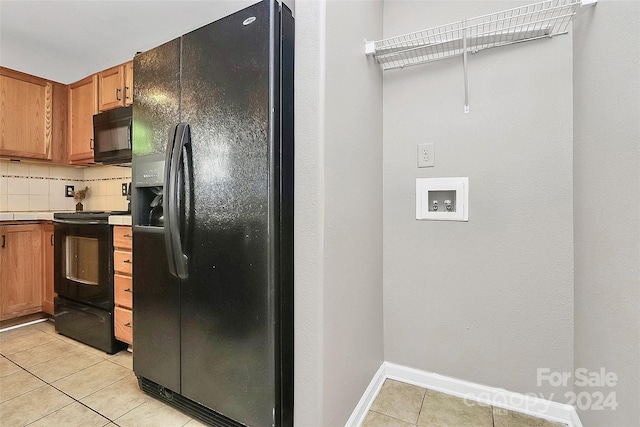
{"x":178,"y":261}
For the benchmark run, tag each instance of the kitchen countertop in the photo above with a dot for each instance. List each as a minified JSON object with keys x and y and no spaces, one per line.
{"x":120,"y":220}
{"x":27,"y":216}
{"x":48,"y":216}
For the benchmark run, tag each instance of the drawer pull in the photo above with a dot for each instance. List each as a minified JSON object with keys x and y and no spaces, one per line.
{"x":128,"y":290}
{"x":128,"y":236}
{"x":127,"y":261}
{"x":127,"y":325}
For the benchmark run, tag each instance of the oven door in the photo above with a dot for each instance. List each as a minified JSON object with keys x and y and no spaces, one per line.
{"x":83,"y":263}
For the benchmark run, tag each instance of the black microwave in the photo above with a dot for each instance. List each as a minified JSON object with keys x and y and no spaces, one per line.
{"x":112,"y":136}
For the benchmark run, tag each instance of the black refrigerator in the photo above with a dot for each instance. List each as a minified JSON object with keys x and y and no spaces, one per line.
{"x":212,"y":208}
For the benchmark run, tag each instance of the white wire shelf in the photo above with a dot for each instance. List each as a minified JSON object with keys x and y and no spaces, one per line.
{"x":535,"y":21}
{"x":531,"y":22}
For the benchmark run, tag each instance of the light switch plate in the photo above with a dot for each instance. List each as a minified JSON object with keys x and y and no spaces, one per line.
{"x":426,"y":155}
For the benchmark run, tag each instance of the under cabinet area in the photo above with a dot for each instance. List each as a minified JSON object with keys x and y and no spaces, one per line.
{"x":123,"y":283}
{"x":21,"y":278}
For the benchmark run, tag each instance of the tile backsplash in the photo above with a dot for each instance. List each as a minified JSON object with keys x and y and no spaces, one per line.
{"x":38,"y":187}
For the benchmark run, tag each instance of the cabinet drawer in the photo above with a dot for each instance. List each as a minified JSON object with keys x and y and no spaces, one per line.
{"x":122,"y":237}
{"x":123,"y":262}
{"x":123,"y":286}
{"x":123,"y":328}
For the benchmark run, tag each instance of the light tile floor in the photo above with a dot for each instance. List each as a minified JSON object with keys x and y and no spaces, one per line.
{"x":49,"y":380}
{"x":405,"y":405}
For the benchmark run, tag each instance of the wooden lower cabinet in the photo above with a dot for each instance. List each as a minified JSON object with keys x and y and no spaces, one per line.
{"x":21,"y":260}
{"x":48,"y":293}
{"x":123,"y":283}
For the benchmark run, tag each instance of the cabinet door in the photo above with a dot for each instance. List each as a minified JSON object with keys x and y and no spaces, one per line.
{"x":47,"y":268}
{"x":128,"y":83}
{"x":83,"y":104}
{"x":20,"y":270}
{"x":60,"y":126}
{"x":111,"y":88}
{"x":25,"y":115}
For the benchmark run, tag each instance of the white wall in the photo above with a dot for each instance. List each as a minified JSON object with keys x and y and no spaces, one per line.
{"x":607,"y":204}
{"x":489,"y":300}
{"x":338,"y":266}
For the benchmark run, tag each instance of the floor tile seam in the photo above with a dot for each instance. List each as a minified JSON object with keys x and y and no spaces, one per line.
{"x":25,"y":370}
{"x":27,"y":367}
{"x":74,"y":399}
{"x":63,"y":377}
{"x":52,"y":412}
{"x":25,"y":349}
{"x":395,"y":418}
{"x":118,"y":364}
{"x":493,"y":418}
{"x":22,"y":394}
{"x":424,"y":395}
{"x":132,"y":409}
{"x":100,"y":389}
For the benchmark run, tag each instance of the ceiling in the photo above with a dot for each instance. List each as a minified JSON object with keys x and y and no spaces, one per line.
{"x":67,"y":40}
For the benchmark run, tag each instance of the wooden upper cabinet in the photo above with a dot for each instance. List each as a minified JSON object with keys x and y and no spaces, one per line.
{"x":60,"y":128}
{"x":116,"y":86}
{"x":25,"y":115}
{"x":83,"y":104}
{"x":128,"y":83}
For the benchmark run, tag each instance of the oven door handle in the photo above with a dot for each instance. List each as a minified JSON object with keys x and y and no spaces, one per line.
{"x":79,"y":222}
{"x":178,"y":260}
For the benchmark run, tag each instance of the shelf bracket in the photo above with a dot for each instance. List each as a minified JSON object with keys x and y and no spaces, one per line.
{"x":369,"y":47}
{"x":464,"y":65}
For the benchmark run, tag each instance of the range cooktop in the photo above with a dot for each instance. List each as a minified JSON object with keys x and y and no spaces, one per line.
{"x":93,"y":216}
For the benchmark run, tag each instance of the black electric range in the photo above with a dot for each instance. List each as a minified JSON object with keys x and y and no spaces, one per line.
{"x":83,"y":269}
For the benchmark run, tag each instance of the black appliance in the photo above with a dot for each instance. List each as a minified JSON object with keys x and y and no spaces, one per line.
{"x":112,"y":136}
{"x":83,"y":278}
{"x":212,"y":210}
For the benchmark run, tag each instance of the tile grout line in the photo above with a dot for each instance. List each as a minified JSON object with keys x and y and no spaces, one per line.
{"x":493,"y":419}
{"x":69,"y":396}
{"x":46,"y":383}
{"x":424,"y":395}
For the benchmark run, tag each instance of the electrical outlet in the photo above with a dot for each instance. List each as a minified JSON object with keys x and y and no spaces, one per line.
{"x":124,"y":188}
{"x":426,"y":155}
{"x":67,"y":190}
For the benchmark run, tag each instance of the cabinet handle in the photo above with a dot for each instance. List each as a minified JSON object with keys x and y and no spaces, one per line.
{"x":118,"y":94}
{"x":51,"y":239}
{"x":126,"y":92}
{"x":127,"y":236}
{"x":127,"y":261}
{"x":4,"y":241}
{"x":128,"y":290}
{"x":91,"y":143}
{"x":127,"y":325}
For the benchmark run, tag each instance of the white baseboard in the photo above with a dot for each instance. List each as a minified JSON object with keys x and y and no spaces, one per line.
{"x":552,"y":411}
{"x":360,"y":412}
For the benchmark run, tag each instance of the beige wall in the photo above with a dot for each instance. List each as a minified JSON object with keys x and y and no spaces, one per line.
{"x":489,"y":300}
{"x":338,"y":267}
{"x":607,"y":204}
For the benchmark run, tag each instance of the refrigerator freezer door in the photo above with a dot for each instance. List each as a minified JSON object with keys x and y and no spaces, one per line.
{"x":157,"y":94}
{"x":156,"y":317}
{"x":228,"y":309}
